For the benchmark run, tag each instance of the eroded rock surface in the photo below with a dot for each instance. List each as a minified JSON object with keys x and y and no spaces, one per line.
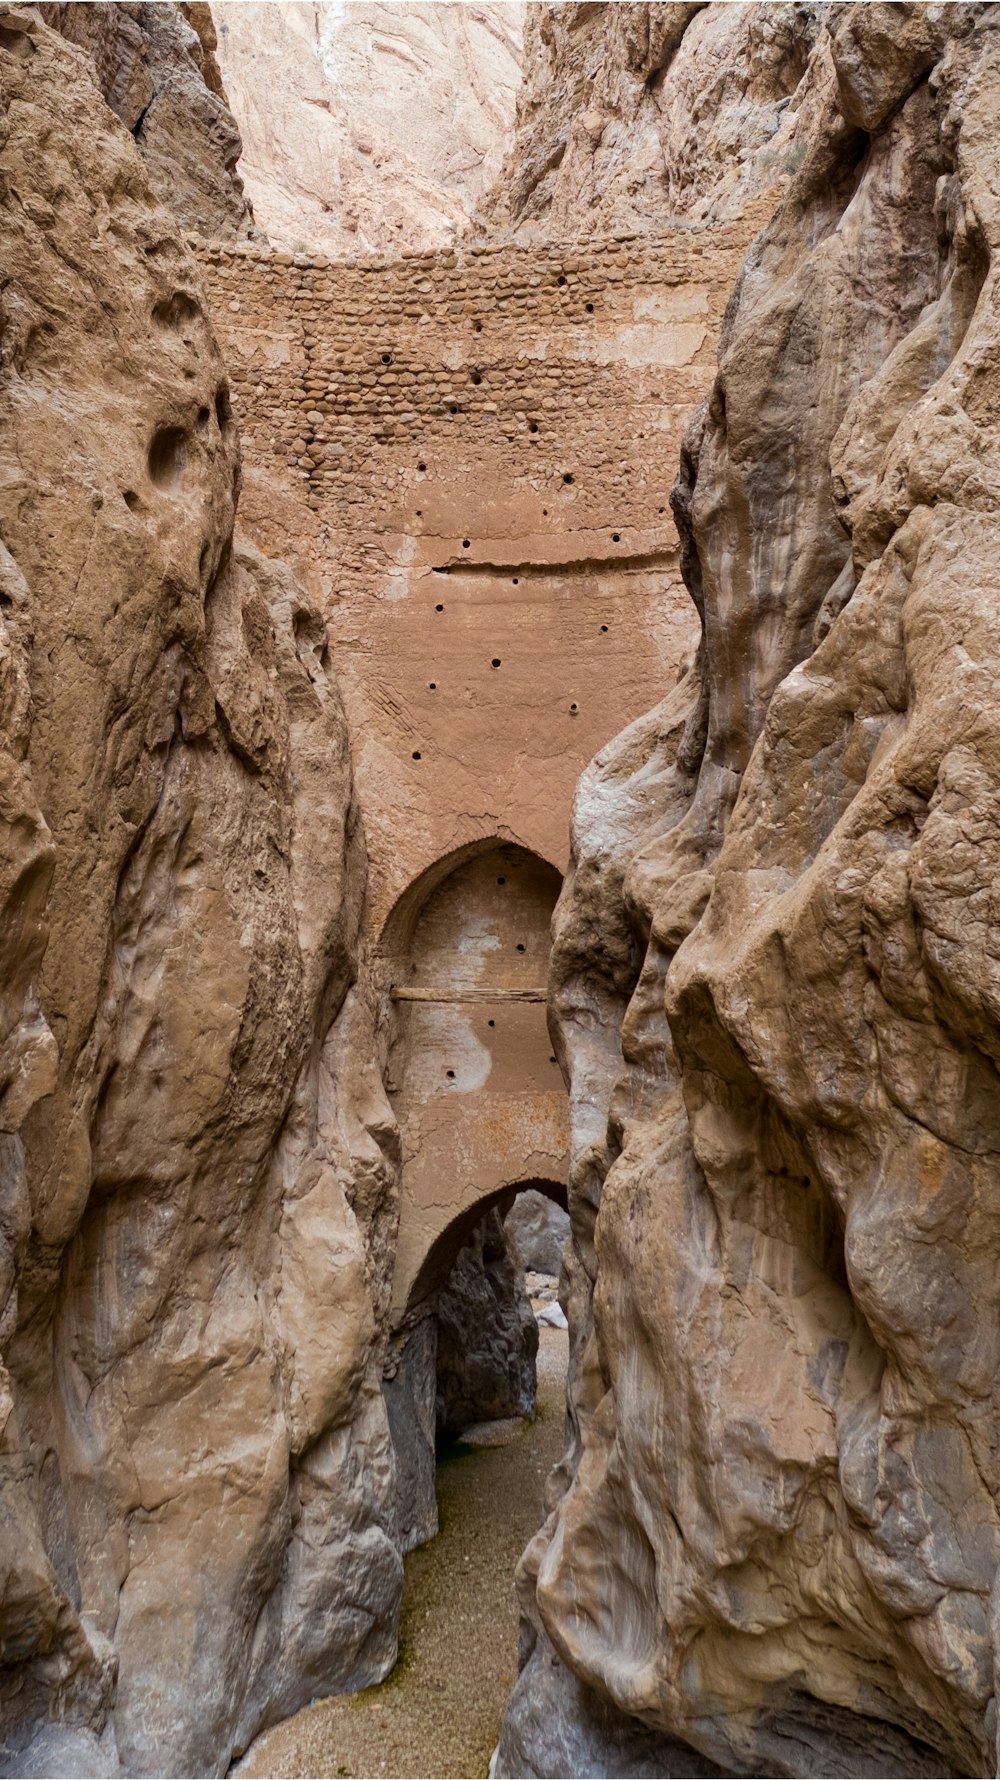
{"x":638,"y":113}
{"x":370,"y":127}
{"x":487,"y":1336}
{"x":156,"y":65}
{"x":466,"y":1355}
{"x":537,"y":1228}
{"x":775,"y":1531}
{"x":197,"y":1160}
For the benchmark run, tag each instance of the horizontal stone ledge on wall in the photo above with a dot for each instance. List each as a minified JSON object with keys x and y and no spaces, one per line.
{"x":727,"y":236}
{"x":468,"y":994}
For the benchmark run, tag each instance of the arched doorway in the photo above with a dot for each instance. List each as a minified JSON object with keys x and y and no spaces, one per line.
{"x":437,"y":1265}
{"x":465,"y":1348}
{"x":472,"y":1075}
{"x":482,"y":1113}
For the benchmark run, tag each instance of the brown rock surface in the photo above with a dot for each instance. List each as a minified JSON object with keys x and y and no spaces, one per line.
{"x":370,"y":124}
{"x":198,"y":1180}
{"x":155,"y":64}
{"x":773,"y":1538}
{"x":637,"y":113}
{"x":538,"y":1229}
{"x":775,"y":1532}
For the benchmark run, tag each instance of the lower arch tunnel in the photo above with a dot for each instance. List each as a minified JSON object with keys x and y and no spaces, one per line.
{"x":482,"y":1112}
{"x":466,"y":1350}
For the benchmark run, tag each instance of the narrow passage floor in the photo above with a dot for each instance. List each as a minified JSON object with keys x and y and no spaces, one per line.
{"x":438,"y":1713}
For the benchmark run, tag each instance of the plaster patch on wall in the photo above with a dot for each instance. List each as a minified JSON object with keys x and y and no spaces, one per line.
{"x":646,"y":343}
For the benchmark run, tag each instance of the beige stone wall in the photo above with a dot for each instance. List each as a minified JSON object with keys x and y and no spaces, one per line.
{"x":467,"y":458}
{"x":473,"y":1077}
{"x":414,"y":424}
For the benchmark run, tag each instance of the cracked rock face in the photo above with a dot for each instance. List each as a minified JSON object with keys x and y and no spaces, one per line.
{"x":155,"y":63}
{"x":637,"y":113}
{"x":774,"y":1535}
{"x":197,"y":1161}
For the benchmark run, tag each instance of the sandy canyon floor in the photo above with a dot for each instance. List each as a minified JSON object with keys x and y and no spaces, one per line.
{"x":439,"y":1711}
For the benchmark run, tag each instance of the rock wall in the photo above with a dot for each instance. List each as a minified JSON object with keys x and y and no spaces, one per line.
{"x":487,"y":1334}
{"x":639,"y":114}
{"x":199,"y":1165}
{"x":774,"y":1535}
{"x":371,"y":123}
{"x":155,"y":65}
{"x":538,"y":1230}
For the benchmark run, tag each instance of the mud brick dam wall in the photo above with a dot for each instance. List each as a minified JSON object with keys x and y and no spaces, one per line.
{"x":467,"y":456}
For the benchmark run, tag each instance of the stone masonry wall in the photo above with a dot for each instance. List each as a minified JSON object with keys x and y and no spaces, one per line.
{"x":511,"y":416}
{"x":399,"y":349}
{"x":466,"y":458}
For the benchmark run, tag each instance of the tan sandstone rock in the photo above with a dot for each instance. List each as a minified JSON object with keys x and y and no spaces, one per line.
{"x":637,"y":113}
{"x":775,"y":1533}
{"x":155,"y":64}
{"x":371,"y":126}
{"x":198,"y":1182}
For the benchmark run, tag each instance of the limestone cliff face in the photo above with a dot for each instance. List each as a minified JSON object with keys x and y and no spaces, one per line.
{"x":155,"y":64}
{"x":773,"y":1542}
{"x":197,"y":1162}
{"x":372,"y":127}
{"x":638,"y":113}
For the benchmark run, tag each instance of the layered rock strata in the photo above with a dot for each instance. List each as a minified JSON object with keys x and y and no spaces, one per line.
{"x":774,"y":1535}
{"x":198,"y":1178}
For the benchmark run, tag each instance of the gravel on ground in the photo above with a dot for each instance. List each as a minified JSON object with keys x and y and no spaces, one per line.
{"x":438,"y":1713}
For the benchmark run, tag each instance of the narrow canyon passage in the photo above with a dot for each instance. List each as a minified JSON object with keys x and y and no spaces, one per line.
{"x":439,"y":1711}
{"x":500,"y":752}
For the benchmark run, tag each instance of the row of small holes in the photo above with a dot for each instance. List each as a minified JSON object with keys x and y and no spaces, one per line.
{"x":450,"y":1073}
{"x":532,"y":428}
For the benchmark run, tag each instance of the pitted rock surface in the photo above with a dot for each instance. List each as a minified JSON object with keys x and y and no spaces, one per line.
{"x":775,"y":1532}
{"x":198,"y":1160}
